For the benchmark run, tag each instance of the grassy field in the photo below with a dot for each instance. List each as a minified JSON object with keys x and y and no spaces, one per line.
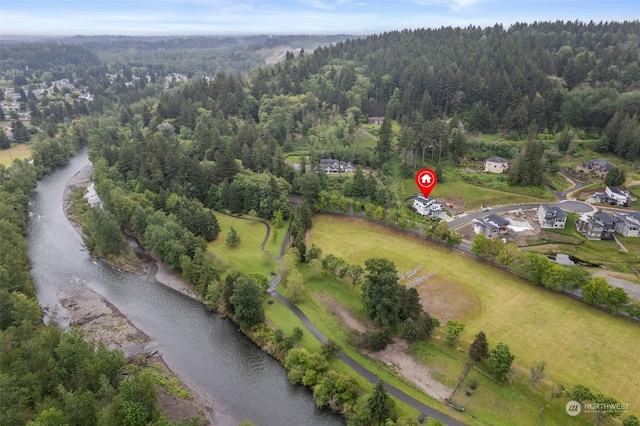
{"x":20,"y":151}
{"x":465,"y":195}
{"x":247,"y":257}
{"x":580,"y":345}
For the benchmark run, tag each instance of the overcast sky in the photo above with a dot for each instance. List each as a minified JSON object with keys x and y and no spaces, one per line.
{"x":231,"y":17}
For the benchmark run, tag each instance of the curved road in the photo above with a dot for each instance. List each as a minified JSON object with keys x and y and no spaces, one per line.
{"x":577,"y":184}
{"x":424,"y":409}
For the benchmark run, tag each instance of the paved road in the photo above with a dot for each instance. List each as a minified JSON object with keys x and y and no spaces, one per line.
{"x":577,"y":184}
{"x":424,"y":409}
{"x":571,"y":206}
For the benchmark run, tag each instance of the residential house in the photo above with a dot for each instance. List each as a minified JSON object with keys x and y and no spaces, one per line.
{"x":598,"y":226}
{"x":483,"y":226}
{"x":496,"y":165}
{"x":628,"y":224}
{"x":426,"y":206}
{"x":598,"y":166}
{"x":334,"y":167}
{"x":498,"y":221}
{"x":620,"y":196}
{"x":376,"y":120}
{"x":551,"y":217}
{"x":491,"y":226}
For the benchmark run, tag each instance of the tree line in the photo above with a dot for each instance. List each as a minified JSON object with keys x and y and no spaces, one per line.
{"x":541,"y":271}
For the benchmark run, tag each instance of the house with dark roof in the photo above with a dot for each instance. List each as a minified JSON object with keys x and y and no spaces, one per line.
{"x":551,"y":217}
{"x":491,"y":226}
{"x":620,"y":196}
{"x":496,"y":165}
{"x":598,"y":226}
{"x":426,"y":206}
{"x":628,"y":224}
{"x":598,"y":166}
{"x":334,"y":167}
{"x":376,"y":120}
{"x":483,"y":226}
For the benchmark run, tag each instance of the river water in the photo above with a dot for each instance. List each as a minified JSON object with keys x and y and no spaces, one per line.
{"x":204,"y":350}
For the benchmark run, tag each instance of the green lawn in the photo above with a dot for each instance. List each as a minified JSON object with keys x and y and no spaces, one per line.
{"x":579,"y":344}
{"x":17,"y":151}
{"x":247,"y":257}
{"x":467,"y":195}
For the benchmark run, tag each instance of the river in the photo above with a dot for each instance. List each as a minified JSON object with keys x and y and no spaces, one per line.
{"x":204,"y":350}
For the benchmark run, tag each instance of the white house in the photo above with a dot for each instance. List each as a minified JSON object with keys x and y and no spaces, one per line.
{"x":627,"y":224}
{"x":491,"y":226}
{"x":496,"y":165}
{"x":551,"y":217}
{"x":621,"y":197}
{"x":426,"y":206}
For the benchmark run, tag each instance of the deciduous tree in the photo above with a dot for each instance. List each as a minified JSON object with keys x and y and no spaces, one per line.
{"x":500,"y":360}
{"x":454,"y":328}
{"x":247,"y":302}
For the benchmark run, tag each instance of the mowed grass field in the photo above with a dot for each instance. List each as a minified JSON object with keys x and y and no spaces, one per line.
{"x":21,"y":151}
{"x":580,"y":345}
{"x":467,"y":195}
{"x":247,"y":257}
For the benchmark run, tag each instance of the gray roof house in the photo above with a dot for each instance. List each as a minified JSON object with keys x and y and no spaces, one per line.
{"x":334,"y":167}
{"x":491,"y":226}
{"x":620,"y":196}
{"x":598,"y":226}
{"x":628,"y":224}
{"x":551,"y":217}
{"x":426,"y":206}
{"x":598,"y":166}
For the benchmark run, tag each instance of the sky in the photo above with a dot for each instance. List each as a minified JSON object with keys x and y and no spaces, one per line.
{"x":246,"y":17}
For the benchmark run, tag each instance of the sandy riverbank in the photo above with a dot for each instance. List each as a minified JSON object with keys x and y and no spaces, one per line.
{"x":102,"y":322}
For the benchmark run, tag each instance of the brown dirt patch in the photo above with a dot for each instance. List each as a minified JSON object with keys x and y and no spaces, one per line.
{"x":447,"y":300}
{"x":397,"y":356}
{"x":344,"y":315}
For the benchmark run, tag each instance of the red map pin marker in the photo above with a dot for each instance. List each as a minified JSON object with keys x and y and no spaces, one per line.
{"x":426,"y":180}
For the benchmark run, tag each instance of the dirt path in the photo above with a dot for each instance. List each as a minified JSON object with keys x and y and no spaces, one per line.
{"x":396,"y":355}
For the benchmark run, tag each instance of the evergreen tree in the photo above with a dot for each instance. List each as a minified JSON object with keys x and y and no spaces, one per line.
{"x":380,"y":292}
{"x":479,"y":349}
{"x":247,"y":302}
{"x":384,"y":141}
{"x":615,"y":177}
{"x":380,"y":404}
{"x":527,"y":168}
{"x":233,"y":239}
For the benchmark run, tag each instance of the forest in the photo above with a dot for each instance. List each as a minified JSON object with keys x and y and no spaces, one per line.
{"x":168,"y":158}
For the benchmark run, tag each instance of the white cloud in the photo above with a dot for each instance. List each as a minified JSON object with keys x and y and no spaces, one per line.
{"x":452,"y":4}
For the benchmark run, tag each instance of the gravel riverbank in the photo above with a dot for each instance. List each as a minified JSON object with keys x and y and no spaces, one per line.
{"x":102,"y":322}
